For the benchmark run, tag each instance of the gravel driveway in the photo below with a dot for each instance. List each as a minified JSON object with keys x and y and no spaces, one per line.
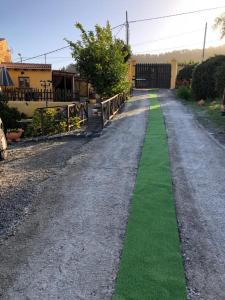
{"x":78,"y":191}
{"x":21,"y":175}
{"x":198,"y":167}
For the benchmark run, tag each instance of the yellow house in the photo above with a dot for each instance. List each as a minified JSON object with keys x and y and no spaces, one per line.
{"x":29,"y":76}
{"x":5,"y":55}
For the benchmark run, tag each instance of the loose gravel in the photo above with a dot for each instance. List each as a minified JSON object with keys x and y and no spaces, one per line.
{"x":69,"y":245}
{"x":198,"y":169}
{"x":28,"y":166}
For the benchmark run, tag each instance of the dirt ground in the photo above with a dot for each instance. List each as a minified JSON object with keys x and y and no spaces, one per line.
{"x":71,"y":200}
{"x":198,"y":169}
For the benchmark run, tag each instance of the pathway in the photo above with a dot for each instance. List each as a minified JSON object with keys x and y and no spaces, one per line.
{"x":69,"y":246}
{"x":198,"y":167}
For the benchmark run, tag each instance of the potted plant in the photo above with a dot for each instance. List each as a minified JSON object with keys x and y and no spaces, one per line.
{"x":3,"y":143}
{"x":14,"y":134}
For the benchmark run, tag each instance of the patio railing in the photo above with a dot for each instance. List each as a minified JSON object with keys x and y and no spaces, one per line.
{"x":16,"y":94}
{"x":111,"y":106}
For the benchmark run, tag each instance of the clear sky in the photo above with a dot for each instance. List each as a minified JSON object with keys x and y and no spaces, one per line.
{"x":34,"y":27}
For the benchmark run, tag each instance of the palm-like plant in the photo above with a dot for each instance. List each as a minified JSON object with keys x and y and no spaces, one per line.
{"x":220,"y":23}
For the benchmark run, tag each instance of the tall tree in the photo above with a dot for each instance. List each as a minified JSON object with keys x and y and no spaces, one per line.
{"x":101,"y":59}
{"x":220,"y":23}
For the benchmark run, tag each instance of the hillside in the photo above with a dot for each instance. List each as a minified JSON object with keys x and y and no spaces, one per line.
{"x":182,"y":56}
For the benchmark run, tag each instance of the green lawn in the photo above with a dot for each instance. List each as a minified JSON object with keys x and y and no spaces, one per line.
{"x":151,"y":264}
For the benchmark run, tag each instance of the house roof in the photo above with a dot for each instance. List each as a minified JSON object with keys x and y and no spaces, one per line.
{"x":64,"y":73}
{"x":26,"y":66}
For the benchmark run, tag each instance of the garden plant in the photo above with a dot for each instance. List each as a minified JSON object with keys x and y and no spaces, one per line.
{"x":102,"y":60}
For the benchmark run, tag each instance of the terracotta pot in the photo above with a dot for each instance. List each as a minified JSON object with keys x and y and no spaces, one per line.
{"x":14,"y":135}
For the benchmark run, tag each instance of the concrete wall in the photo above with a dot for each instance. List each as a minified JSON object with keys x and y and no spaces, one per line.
{"x":29,"y":107}
{"x":174,"y":69}
{"x":131,"y":71}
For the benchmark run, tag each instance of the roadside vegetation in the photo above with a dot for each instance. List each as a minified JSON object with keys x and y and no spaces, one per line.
{"x":202,"y":87}
{"x":9,"y":116}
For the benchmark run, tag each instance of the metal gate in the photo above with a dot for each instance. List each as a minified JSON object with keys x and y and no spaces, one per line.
{"x":152,"y":76}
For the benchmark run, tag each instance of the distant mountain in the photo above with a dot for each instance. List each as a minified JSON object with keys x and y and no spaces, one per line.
{"x":182,"y":56}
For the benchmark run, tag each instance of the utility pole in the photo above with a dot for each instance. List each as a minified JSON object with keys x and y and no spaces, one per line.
{"x":205,"y":34}
{"x":45,"y":58}
{"x":127,"y":29}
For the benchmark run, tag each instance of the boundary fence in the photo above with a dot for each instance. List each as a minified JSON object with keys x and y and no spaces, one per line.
{"x":111,"y":106}
{"x":65,"y":114}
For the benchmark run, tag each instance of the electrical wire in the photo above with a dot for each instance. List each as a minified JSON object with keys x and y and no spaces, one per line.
{"x":176,"y":15}
{"x":130,"y":22}
{"x":46,"y":53}
{"x":166,"y":38}
{"x":121,"y":27}
{"x":170,"y":16}
{"x":172,"y":48}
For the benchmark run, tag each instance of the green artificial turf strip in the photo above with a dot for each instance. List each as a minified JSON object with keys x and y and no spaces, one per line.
{"x":151,"y":264}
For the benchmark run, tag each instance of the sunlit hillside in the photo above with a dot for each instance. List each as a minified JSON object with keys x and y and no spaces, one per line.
{"x":182,"y":56}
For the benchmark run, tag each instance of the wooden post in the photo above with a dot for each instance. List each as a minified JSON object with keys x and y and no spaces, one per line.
{"x":42,"y":122}
{"x":68,"y":118}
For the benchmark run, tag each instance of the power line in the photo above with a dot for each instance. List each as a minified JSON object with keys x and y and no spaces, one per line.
{"x":113,"y":28}
{"x":46,"y":53}
{"x":176,"y":15}
{"x":166,"y":38}
{"x":172,"y":48}
{"x":170,"y":16}
{"x":121,"y":27}
{"x":130,"y":22}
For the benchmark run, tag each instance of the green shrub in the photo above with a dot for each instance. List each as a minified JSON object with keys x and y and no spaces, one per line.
{"x":220,"y":79}
{"x":184,"y":92}
{"x":75,"y":121}
{"x":204,"y":79}
{"x":51,"y":122}
{"x":184,"y":76}
{"x":44,"y":121}
{"x":9,"y":116}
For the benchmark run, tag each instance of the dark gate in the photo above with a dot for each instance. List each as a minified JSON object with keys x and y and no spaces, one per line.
{"x":152,"y":76}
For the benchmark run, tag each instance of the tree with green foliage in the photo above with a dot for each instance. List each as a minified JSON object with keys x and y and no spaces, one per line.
{"x":101,"y":60}
{"x":220,"y":23}
{"x":126,"y":49}
{"x":184,"y":76}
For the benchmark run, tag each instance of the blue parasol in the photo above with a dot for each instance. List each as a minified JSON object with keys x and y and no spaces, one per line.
{"x":5,"y":79}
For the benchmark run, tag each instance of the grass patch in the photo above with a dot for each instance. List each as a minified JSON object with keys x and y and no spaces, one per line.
{"x":209,"y":111}
{"x":151,"y":264}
